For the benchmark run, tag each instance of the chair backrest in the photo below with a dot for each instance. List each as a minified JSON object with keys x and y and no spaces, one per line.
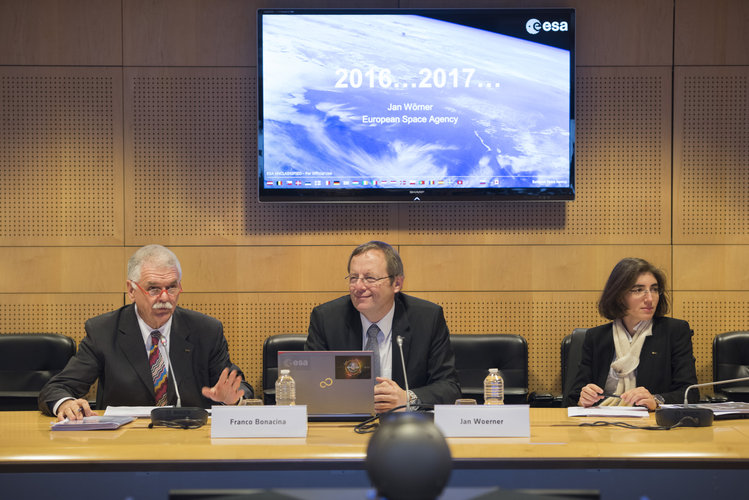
{"x":475,"y":354}
{"x":271,"y":346}
{"x":27,"y":362}
{"x":572,"y":352}
{"x":731,"y":360}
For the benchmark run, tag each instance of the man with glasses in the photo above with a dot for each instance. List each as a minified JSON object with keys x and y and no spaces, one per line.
{"x":148,"y":353}
{"x":373,"y":316}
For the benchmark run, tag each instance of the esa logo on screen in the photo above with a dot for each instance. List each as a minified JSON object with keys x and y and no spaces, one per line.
{"x":533,"y":26}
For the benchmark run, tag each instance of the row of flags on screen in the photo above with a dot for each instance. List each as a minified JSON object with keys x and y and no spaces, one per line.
{"x":401,"y":182}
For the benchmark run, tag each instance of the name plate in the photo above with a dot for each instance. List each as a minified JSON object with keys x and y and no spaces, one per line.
{"x":483,"y":420}
{"x":258,"y":421}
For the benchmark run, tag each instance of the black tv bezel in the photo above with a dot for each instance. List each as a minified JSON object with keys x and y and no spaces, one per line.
{"x":408,"y":195}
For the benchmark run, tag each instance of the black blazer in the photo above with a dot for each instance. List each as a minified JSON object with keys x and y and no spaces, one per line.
{"x":430,"y":363}
{"x":113,"y":352}
{"x":666,"y":361}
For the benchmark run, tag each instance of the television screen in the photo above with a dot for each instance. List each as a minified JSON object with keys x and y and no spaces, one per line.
{"x":416,"y":105}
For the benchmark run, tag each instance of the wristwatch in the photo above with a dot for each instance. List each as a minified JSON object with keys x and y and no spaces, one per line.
{"x":658,"y":400}
{"x":413,"y":399}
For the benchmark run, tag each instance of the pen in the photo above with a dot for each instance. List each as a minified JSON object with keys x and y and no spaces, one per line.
{"x":607,"y":395}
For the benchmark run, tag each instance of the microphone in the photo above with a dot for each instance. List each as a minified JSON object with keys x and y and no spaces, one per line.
{"x":687,"y":415}
{"x":399,"y":339}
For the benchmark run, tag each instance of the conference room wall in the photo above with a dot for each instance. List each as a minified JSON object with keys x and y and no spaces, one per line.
{"x":130,"y":122}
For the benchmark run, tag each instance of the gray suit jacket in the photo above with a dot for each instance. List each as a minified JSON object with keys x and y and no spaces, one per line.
{"x":430,"y":363}
{"x":114,"y":353}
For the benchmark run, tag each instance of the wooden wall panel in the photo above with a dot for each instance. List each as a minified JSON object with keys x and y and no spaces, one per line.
{"x":264,"y":269}
{"x":623,"y":176}
{"x":711,"y":33}
{"x":61,"y":156}
{"x":60,"y":32}
{"x":520,"y":268}
{"x":29,"y":270}
{"x":712,"y":268}
{"x":711,"y":154}
{"x":188,"y":33}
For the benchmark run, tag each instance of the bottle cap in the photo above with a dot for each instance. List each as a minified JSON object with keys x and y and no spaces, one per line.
{"x":493,"y":370}
{"x":284,"y":372}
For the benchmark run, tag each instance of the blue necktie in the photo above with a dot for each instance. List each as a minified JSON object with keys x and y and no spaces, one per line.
{"x":374,"y":346}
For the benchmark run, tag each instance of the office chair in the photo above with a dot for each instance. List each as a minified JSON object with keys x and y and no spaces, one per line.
{"x":271,"y":346}
{"x":731,"y":360}
{"x":571,"y":354}
{"x":27,"y":362}
{"x":475,"y":354}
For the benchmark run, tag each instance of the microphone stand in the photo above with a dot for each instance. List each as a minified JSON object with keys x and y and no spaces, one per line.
{"x":706,"y":384}
{"x":687,"y":416}
{"x":399,"y":339}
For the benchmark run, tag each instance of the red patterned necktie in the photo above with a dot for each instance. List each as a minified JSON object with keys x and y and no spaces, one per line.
{"x":158,"y":370}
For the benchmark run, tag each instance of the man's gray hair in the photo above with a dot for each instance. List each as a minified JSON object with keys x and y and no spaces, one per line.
{"x":157,"y":255}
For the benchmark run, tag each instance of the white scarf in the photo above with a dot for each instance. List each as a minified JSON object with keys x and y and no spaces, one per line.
{"x":627,"y":357}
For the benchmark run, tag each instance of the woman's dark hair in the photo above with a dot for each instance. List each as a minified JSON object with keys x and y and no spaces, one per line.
{"x":612,"y":304}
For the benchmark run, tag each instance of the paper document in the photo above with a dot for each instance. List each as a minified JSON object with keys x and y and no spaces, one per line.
{"x":608,"y":411}
{"x":95,"y":423}
{"x":130,"y":411}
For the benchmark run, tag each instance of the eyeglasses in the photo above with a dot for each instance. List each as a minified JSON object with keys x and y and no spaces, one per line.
{"x":156,"y":291}
{"x":640,"y":291}
{"x":366,"y":280}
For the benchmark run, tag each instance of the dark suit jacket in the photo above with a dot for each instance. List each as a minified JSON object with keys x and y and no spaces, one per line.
{"x":113,"y":351}
{"x":666,"y":361}
{"x":430,"y":363}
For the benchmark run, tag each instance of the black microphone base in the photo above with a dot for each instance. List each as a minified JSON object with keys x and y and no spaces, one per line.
{"x":187,"y":416}
{"x":685,"y":417}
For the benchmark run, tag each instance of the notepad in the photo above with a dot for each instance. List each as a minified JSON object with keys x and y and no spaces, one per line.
{"x":93,"y":423}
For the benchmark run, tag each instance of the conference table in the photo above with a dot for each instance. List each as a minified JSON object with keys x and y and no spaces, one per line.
{"x":138,"y":462}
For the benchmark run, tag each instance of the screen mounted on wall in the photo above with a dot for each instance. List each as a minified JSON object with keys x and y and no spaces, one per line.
{"x":416,"y":105}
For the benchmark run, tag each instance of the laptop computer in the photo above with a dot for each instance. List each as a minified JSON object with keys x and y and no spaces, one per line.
{"x":335,"y":385}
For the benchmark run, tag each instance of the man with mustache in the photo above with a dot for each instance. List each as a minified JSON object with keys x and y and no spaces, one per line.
{"x":141,"y":351}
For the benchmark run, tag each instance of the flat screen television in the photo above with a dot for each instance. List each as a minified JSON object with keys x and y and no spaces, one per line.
{"x":389,"y":105}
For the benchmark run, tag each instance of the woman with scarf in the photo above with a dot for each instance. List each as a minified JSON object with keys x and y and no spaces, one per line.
{"x":641,"y":358}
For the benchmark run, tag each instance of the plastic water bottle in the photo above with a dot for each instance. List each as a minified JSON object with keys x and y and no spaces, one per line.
{"x":285,"y":389}
{"x":494,"y":388}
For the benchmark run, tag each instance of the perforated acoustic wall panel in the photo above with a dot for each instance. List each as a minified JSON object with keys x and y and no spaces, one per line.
{"x":711,"y":157}
{"x":622,"y":168}
{"x":711,"y":313}
{"x":191,"y":145}
{"x":543,"y":319}
{"x":53,"y":313}
{"x":250,"y":318}
{"x":61,"y":156}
